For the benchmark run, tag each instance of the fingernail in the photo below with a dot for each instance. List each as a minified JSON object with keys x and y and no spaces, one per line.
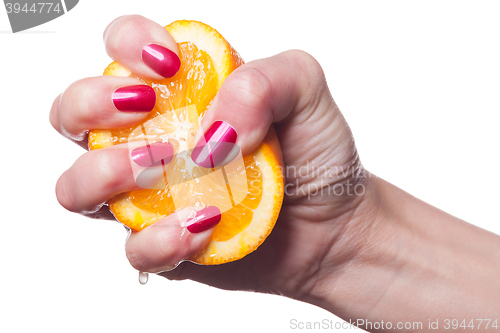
{"x":161,"y":60}
{"x":134,"y":98}
{"x":155,"y":154}
{"x":204,"y":219}
{"x":218,"y":141}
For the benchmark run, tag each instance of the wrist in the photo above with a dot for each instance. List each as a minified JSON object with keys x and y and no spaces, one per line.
{"x":355,"y":253}
{"x":400,"y":259}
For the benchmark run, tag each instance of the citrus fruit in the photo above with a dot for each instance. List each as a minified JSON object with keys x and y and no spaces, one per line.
{"x":206,"y":60}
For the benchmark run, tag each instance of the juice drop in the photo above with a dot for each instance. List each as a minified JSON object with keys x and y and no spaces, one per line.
{"x":143,"y":277}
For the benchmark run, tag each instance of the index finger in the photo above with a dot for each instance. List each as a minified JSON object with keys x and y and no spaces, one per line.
{"x":143,"y":47}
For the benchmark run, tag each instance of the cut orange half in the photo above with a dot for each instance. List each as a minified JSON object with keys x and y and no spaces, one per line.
{"x":206,"y":61}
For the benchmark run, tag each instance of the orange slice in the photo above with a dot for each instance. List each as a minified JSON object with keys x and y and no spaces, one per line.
{"x":206,"y":60}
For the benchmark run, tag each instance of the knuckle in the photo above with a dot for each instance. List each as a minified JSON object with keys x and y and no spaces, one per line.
{"x":75,"y":100}
{"x":110,"y":26}
{"x":305,"y":60}
{"x":313,"y":83}
{"x":162,"y":243}
{"x":112,"y":169}
{"x":109,"y":172}
{"x":135,"y":258}
{"x":251,"y":86}
{"x":86,"y":103}
{"x":53,"y":113}
{"x":113,"y":33}
{"x":307,"y":64}
{"x":122,"y":32}
{"x":150,"y":251}
{"x":64,"y":196}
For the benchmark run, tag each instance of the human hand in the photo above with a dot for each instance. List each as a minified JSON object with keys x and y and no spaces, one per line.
{"x":358,"y":248}
{"x":289,"y":90}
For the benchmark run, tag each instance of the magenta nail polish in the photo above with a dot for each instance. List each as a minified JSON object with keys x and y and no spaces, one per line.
{"x":161,"y":60}
{"x":155,"y":154}
{"x":216,"y":145}
{"x":134,"y":98}
{"x":203,"y":219}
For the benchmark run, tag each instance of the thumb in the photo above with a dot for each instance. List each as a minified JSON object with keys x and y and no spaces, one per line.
{"x":164,"y":244}
{"x":253,"y":97}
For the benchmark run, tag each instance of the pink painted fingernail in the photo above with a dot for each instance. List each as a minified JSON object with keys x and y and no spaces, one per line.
{"x":134,"y":98}
{"x":203,"y":219}
{"x":155,"y":154}
{"x":161,"y":60}
{"x":218,"y":141}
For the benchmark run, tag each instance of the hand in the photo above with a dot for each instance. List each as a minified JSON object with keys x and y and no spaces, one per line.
{"x":369,"y":251}
{"x":289,"y":90}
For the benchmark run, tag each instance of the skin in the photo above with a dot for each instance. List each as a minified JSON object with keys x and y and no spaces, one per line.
{"x":379,"y":255}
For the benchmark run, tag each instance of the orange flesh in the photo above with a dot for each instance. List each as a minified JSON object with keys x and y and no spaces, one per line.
{"x":194,"y":84}
{"x":238,"y":218}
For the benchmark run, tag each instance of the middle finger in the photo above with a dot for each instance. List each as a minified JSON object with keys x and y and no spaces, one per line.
{"x":102,"y":102}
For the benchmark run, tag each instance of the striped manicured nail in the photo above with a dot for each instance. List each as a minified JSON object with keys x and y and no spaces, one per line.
{"x":212,"y":149}
{"x":155,"y":154}
{"x":201,"y":220}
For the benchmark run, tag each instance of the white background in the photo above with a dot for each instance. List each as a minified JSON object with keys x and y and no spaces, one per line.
{"x":418,"y":83}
